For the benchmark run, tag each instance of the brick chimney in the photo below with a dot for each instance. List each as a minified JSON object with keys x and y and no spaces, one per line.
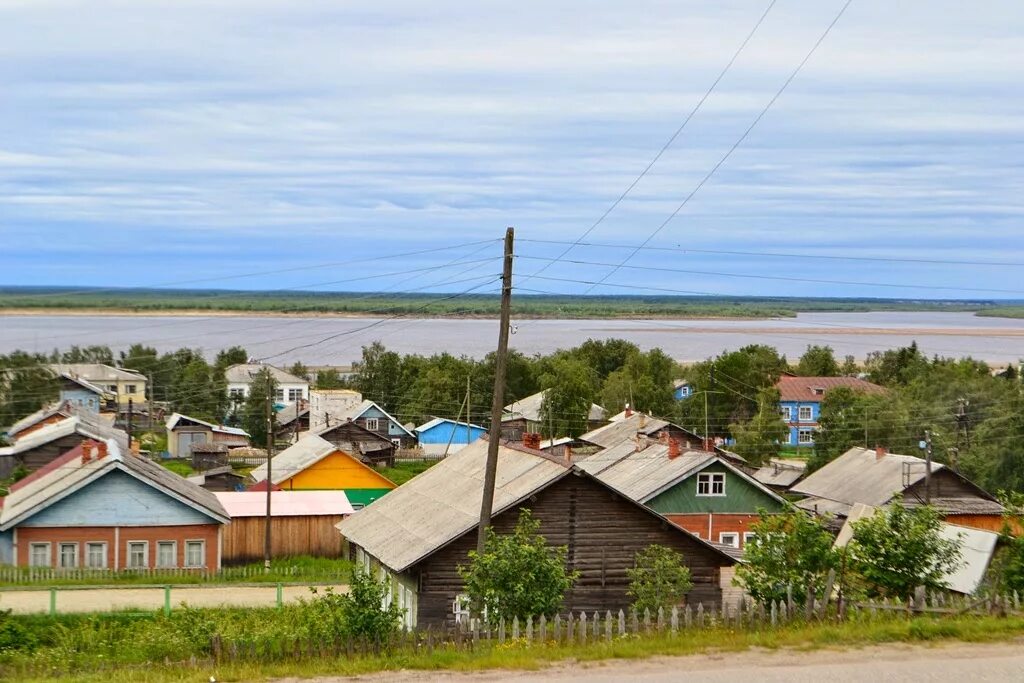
{"x":880,"y":452}
{"x":673,"y":449}
{"x":629,"y":411}
{"x":641,"y":442}
{"x":531,"y":440}
{"x":568,"y":454}
{"x":708,"y":444}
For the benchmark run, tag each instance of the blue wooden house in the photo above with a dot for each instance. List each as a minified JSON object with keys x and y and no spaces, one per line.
{"x":436,"y":435}
{"x":373,"y":418}
{"x":98,"y":507}
{"x":682,"y":389}
{"x":800,"y":402}
{"x":82,"y":394}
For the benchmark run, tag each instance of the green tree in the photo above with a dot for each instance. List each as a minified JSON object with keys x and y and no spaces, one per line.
{"x":379,"y":376}
{"x":88,"y":354}
{"x":792,"y":549}
{"x":851,"y":418}
{"x":818,"y":361}
{"x":365,"y":611}
{"x":899,"y":548}
{"x":760,"y":439}
{"x":140,"y":358}
{"x":849,"y":368}
{"x":644,"y":381}
{"x":254,"y":413}
{"x":236,"y":355}
{"x":895,"y":366}
{"x":568,"y":398}
{"x":26,"y":385}
{"x":201,"y":391}
{"x":299,"y":370}
{"x":659,"y":579}
{"x":330,"y":379}
{"x":518,"y":574}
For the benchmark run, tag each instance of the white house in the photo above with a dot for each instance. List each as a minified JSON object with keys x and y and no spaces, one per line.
{"x":289,"y":387}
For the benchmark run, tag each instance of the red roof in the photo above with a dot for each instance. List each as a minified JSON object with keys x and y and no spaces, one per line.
{"x":66,"y":459}
{"x":262,"y":486}
{"x":814,"y":388}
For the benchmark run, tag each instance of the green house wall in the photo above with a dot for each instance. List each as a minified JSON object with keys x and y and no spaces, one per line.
{"x":740,"y":496}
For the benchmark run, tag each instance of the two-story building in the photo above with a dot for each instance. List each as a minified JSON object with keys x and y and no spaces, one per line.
{"x":123,"y":385}
{"x":290,"y":388}
{"x":800,"y":402}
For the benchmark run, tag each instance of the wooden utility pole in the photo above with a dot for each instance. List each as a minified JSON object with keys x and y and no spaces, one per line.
{"x":270,"y":481}
{"x":129,"y":424}
{"x":498,"y":398}
{"x":927,"y":467}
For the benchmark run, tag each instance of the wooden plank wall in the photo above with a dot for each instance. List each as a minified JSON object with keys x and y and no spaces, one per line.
{"x":309,"y":535}
{"x":603,"y":533}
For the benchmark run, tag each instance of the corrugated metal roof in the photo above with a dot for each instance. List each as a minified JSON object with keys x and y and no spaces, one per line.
{"x":305,"y":452}
{"x":625,"y":428}
{"x":813,"y":389}
{"x":356,"y":412}
{"x":780,"y":473}
{"x":175,"y":418}
{"x":60,"y":408}
{"x":243,"y":373}
{"x":97,"y":372}
{"x":285,"y":503}
{"x":442,"y":420}
{"x":81,"y":424}
{"x":529,"y":409}
{"x":72,"y":474}
{"x":443,"y":503}
{"x":859,"y":476}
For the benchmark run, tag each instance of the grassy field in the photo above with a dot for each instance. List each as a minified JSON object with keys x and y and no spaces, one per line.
{"x":96,"y":660}
{"x":404,"y":471}
{"x":442,"y":305}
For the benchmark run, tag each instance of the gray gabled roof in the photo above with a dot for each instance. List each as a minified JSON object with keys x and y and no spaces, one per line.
{"x":357,"y":411}
{"x":83,"y":424}
{"x":97,"y":372}
{"x":65,"y":408}
{"x":304,"y":453}
{"x":529,"y":409}
{"x":174,"y":419}
{"x":244,"y":373}
{"x":860,"y":476}
{"x":623,"y":429}
{"x":71,"y":474}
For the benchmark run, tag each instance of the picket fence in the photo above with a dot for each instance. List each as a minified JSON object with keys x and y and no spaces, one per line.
{"x":572,"y":630}
{"x":27,"y":576}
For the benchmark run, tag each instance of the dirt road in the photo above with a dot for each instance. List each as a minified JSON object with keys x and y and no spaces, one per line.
{"x":109,"y":599}
{"x":878,"y":664}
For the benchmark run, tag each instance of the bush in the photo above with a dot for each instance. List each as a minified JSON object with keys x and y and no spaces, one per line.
{"x":659,"y":579}
{"x":363,"y":613}
{"x":517,"y":575}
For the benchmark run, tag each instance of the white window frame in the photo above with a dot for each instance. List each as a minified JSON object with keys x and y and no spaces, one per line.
{"x":202,"y":554}
{"x":174,"y":554}
{"x":747,"y":535}
{"x":33,"y":547}
{"x":809,"y":417}
{"x":397,"y":443}
{"x":129,"y":388}
{"x":709,"y":480}
{"x":734,"y":543}
{"x":145,"y":554}
{"x":372,"y":423}
{"x":800,"y":433}
{"x":294,"y":395}
{"x":787,"y":413}
{"x":236,"y":394}
{"x":279,"y":395}
{"x":89,"y":547}
{"x":73,"y":546}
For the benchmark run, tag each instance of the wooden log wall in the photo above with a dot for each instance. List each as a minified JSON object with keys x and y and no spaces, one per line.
{"x":603,"y":532}
{"x":311,"y":535}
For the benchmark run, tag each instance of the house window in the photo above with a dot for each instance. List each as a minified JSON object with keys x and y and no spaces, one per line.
{"x":294,"y":395}
{"x":787,"y":413}
{"x":138,"y":554}
{"x":96,"y":555}
{"x":372,"y":423}
{"x":806,"y":413}
{"x":167,"y":554}
{"x":39,"y":555}
{"x":747,"y":535}
{"x":129,"y":388}
{"x":195,"y":553}
{"x":805,"y":436}
{"x":236,"y":394}
{"x":68,"y":555}
{"x":397,"y":442}
{"x":730,"y":538}
{"x":279,"y":395}
{"x":711,"y":484}
{"x":112,"y":387}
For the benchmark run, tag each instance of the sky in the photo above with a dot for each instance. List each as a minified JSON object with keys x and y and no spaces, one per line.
{"x":275,"y":145}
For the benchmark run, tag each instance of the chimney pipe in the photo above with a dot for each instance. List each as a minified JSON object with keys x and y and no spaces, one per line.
{"x":629,"y":411}
{"x":531,"y":440}
{"x":880,"y":452}
{"x":673,"y":449}
{"x":568,"y":454}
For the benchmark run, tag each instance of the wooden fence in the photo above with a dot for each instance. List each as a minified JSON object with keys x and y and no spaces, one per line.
{"x":574,"y":630}
{"x":27,"y":576}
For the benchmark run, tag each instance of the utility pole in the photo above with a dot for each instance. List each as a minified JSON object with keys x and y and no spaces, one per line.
{"x":927,"y":467}
{"x":469,"y":414}
{"x":707,"y":400}
{"x":129,"y":423}
{"x":498,"y":398}
{"x":270,"y":481}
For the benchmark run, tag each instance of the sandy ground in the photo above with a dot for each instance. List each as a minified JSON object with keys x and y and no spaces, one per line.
{"x":108,"y":599}
{"x":877,"y":664}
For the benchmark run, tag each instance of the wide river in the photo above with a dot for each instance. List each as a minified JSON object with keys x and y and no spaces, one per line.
{"x":337,"y":341}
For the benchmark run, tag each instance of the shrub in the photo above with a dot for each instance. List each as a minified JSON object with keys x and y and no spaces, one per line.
{"x":518,"y":574}
{"x":659,"y":579}
{"x":363,"y":613}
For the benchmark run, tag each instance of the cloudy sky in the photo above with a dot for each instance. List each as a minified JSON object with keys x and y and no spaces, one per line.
{"x":149,"y":143}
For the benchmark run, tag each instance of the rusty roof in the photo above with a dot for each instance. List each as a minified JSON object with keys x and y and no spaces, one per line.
{"x":813,"y":389}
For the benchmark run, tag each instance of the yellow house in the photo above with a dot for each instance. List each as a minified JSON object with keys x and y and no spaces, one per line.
{"x":121,"y":383}
{"x":313,"y":463}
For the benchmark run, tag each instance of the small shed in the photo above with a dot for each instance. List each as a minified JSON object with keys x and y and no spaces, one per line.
{"x":184,"y":431}
{"x":302,"y":523}
{"x":441,"y":435}
{"x":219,"y":479}
{"x":206,"y":456}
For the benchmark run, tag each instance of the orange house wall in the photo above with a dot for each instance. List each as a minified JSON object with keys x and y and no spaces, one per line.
{"x":83,"y":535}
{"x":698,"y":524}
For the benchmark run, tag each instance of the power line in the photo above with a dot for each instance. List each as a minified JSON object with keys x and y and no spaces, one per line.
{"x":733,"y":148}
{"x":669,"y":142}
{"x":684,"y":250}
